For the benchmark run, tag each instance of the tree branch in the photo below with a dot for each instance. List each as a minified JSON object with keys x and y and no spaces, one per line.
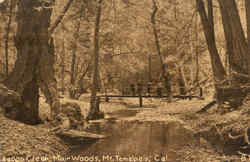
{"x":60,"y":17}
{"x":85,"y":72}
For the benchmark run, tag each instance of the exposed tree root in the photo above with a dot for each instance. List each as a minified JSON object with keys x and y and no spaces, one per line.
{"x":245,"y":136}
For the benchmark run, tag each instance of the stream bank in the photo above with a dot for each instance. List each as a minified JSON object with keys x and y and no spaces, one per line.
{"x":164,"y":129}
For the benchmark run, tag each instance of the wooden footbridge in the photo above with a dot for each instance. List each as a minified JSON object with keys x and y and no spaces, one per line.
{"x":140,"y":94}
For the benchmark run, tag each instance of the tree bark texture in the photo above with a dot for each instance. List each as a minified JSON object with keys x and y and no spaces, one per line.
{"x":217,"y":67}
{"x":247,"y":6}
{"x":236,"y":42}
{"x":7,"y":37}
{"x":35,"y":59}
{"x":219,"y":73}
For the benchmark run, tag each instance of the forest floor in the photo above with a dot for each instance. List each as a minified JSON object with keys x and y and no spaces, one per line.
{"x":19,"y":141}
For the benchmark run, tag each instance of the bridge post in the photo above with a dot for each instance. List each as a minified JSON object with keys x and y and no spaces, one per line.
{"x":98,"y":100}
{"x":106,"y":98}
{"x":140,"y":94}
{"x":159,"y":92}
{"x":201,"y":92}
{"x":149,"y":88}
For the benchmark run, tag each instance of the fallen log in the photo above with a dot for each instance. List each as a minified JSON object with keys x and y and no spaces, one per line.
{"x":206,"y":107}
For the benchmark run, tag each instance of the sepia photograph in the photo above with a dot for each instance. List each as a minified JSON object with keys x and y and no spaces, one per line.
{"x":124,"y":80}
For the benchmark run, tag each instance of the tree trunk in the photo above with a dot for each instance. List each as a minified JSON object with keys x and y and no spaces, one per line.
{"x":237,"y":49}
{"x":31,"y":93}
{"x":196,"y":57}
{"x":47,"y":80}
{"x":149,"y":68}
{"x":228,"y":35}
{"x":165,"y":74}
{"x":217,"y":67}
{"x":236,"y":41}
{"x":181,"y":81}
{"x":63,"y":67}
{"x":73,"y":63}
{"x":247,"y":6}
{"x":81,"y":80}
{"x":94,"y":108}
{"x":34,"y":63}
{"x":7,"y":39}
{"x":60,"y":17}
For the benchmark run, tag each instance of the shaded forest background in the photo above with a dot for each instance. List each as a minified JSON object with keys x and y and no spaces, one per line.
{"x":126,"y":42}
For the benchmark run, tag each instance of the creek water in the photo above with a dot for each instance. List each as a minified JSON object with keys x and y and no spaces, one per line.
{"x":132,"y":140}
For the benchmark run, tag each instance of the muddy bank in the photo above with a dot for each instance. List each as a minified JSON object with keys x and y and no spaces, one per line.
{"x":220,"y":129}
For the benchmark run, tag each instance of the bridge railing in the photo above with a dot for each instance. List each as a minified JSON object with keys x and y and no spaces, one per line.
{"x":141,"y":92}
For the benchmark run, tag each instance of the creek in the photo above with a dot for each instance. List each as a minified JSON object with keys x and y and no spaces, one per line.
{"x":132,"y":140}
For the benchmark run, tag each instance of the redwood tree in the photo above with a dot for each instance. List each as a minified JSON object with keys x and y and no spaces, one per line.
{"x":237,"y":49}
{"x":236,"y":41}
{"x":217,"y":67}
{"x":208,"y":28}
{"x":35,"y":59}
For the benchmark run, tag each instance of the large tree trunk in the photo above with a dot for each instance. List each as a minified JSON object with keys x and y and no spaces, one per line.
{"x":247,"y":6}
{"x":237,"y":49}
{"x":217,"y":67}
{"x":94,"y":107}
{"x":47,"y":80}
{"x":228,"y":35}
{"x":34,"y":60}
{"x":236,"y":42}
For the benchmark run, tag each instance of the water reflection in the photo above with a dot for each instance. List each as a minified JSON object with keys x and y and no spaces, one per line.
{"x":135,"y":141}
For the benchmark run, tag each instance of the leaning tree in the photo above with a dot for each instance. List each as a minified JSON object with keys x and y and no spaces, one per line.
{"x":236,"y":49}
